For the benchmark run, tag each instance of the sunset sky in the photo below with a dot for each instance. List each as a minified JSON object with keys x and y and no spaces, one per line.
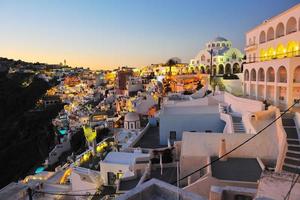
{"x":110,"y":33}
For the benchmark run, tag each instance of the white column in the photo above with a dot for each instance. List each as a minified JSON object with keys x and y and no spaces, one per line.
{"x":256,"y":86}
{"x":265,"y":86}
{"x":276,"y":88}
{"x":290,"y":85}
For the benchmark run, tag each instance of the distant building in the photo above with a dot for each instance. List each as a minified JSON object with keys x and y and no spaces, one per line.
{"x":51,"y":100}
{"x":225,"y":58}
{"x":122,"y":78}
{"x":133,"y":85}
{"x":272,"y":71}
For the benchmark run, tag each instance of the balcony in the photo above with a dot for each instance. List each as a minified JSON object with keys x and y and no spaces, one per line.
{"x":251,"y":47}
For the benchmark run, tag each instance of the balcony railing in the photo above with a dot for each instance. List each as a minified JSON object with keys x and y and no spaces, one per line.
{"x":290,"y":54}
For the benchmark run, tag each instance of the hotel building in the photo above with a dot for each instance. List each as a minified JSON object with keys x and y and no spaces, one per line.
{"x":272,"y":71}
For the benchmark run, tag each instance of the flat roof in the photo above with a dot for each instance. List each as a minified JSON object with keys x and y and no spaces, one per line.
{"x":150,"y":139}
{"x":123,"y":157}
{"x":169,"y":174}
{"x":126,"y":185}
{"x":237,"y":169}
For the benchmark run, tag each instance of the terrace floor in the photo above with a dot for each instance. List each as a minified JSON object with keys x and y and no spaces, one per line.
{"x":237,"y":169}
{"x":150,"y":139}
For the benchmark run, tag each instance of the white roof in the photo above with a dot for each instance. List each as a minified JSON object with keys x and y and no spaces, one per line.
{"x":123,"y":157}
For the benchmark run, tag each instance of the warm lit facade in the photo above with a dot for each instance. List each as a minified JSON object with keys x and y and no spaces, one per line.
{"x":225,"y":58}
{"x":272,"y":71}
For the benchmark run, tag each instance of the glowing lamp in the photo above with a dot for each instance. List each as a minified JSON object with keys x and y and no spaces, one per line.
{"x":86,"y":157}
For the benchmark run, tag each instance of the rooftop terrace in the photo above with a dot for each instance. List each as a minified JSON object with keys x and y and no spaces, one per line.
{"x":150,"y":139}
{"x":237,"y":169}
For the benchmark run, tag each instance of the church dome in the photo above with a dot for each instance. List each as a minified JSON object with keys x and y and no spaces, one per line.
{"x":219,"y":39}
{"x":131,"y":116}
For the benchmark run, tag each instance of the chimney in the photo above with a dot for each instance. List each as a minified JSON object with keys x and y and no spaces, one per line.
{"x":222,"y":150}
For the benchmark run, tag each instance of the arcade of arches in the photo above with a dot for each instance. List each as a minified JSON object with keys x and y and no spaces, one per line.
{"x":278,"y":85}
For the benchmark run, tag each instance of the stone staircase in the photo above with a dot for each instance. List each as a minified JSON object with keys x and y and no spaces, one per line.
{"x":238,"y":125}
{"x":292,"y":157}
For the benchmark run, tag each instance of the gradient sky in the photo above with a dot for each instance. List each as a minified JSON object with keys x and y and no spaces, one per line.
{"x":109,"y":33}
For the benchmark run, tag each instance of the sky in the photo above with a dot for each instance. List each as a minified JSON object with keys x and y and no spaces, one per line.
{"x":103,"y":34}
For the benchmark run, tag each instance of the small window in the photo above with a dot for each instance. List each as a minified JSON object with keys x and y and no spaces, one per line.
{"x":202,"y":58}
{"x":173,"y":135}
{"x":234,"y":56}
{"x":131,"y":125}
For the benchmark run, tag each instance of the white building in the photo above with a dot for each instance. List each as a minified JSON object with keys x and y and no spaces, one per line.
{"x":225,"y":58}
{"x":272,"y":71}
{"x":122,"y":164}
{"x":133,"y":85}
{"x":132,"y":121}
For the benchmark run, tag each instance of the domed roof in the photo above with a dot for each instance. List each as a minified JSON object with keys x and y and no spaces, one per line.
{"x":132,"y":116}
{"x":219,"y":39}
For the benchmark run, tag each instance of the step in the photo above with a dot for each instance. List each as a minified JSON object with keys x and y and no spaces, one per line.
{"x":291,"y":133}
{"x":293,"y":142}
{"x":291,"y":161}
{"x":292,"y":139}
{"x":288,"y":122}
{"x":291,"y":168}
{"x":293,"y":154}
{"x":293,"y":158}
{"x":294,"y":148}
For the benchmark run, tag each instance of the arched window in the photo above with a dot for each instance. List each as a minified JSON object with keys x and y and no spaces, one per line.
{"x":253,"y":75}
{"x":280,"y":51}
{"x":214,"y":69}
{"x":261,"y":74}
{"x":218,"y":44}
{"x":282,"y":75}
{"x":263,"y":55}
{"x":202,"y":70}
{"x":291,"y":25}
{"x":292,"y":49}
{"x":262,"y":37}
{"x":207,"y":69}
{"x":221,"y":69}
{"x":227,"y":68}
{"x":280,"y":30}
{"x":297,"y":75}
{"x":270,"y":74}
{"x":270,"y":34}
{"x":233,"y":56}
{"x":203,"y":58}
{"x":250,"y":42}
{"x":246,"y":75}
{"x":236,"y":68}
{"x":271,"y":53}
